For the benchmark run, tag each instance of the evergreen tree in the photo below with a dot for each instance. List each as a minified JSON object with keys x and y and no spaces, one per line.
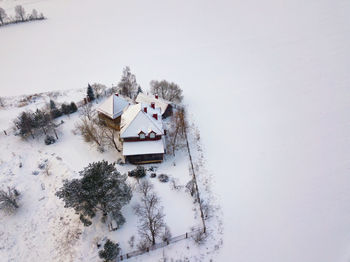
{"x":102,"y":188}
{"x":41,"y":120}
{"x":65,"y":109}
{"x":90,"y":93}
{"x":52,"y":105}
{"x":73,"y":107}
{"x":110,"y":251}
{"x":25,"y":124}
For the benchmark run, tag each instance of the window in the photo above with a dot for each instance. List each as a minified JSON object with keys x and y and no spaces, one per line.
{"x":152,"y":135}
{"x":142,"y":135}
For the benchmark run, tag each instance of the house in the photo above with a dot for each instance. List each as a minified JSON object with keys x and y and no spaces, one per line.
{"x":142,"y":134}
{"x":165,"y":106}
{"x":110,"y":111}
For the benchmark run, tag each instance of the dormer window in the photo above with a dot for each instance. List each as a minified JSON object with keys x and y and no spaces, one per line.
{"x":152,"y":135}
{"x":142,"y":135}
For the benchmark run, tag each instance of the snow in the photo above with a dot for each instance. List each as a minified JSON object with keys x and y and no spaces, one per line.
{"x":113,"y":106}
{"x":143,"y":147}
{"x":143,"y":98}
{"x":272,"y":74}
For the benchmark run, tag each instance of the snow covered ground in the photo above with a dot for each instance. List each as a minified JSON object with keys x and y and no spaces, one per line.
{"x":267,"y":83}
{"x":43,"y":230}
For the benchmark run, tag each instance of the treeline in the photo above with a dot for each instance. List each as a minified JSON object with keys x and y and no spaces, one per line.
{"x":21,"y":16}
{"x":31,"y":123}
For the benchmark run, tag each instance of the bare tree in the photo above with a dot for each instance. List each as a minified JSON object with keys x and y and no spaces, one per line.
{"x":150,"y":213}
{"x":87,"y":112}
{"x":2,"y":102}
{"x":3,"y":15}
{"x":8,"y":199}
{"x":34,"y":15}
{"x":20,"y":13}
{"x":99,"y":89}
{"x":90,"y":130}
{"x":108,"y":134}
{"x":166,"y":90}
{"x":176,"y":131}
{"x":128,"y":85}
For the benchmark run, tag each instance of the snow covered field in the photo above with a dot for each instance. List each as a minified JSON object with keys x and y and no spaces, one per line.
{"x":266,"y":81}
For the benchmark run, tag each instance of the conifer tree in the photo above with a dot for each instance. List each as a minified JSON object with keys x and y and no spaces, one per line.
{"x":101,"y":188}
{"x":90,"y":93}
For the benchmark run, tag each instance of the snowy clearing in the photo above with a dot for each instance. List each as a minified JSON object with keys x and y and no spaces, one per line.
{"x":267,"y":83}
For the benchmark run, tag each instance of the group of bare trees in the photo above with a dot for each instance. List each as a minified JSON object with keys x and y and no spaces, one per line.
{"x":20,"y":16}
{"x":167,"y":90}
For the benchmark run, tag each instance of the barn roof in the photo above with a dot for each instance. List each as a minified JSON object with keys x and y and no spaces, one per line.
{"x":135,"y":119}
{"x":113,"y":107}
{"x":143,"y":147}
{"x":161,"y":103}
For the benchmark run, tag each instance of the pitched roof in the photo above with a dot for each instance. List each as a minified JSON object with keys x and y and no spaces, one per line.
{"x":113,"y":107}
{"x":134,"y":120}
{"x":143,"y":147}
{"x":161,"y":103}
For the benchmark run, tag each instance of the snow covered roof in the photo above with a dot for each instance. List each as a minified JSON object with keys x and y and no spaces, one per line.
{"x":143,"y":98}
{"x":135,"y":119}
{"x":113,"y":107}
{"x":143,"y":147}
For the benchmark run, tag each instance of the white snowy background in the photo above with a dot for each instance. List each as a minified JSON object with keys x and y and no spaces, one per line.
{"x":266,"y":81}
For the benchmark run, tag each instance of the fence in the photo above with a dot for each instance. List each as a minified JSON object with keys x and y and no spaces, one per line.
{"x":160,"y":245}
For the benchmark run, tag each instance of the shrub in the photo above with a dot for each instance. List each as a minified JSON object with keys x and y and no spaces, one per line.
{"x":49,"y":140}
{"x":55,"y":113}
{"x":163,"y":178}
{"x":65,"y":109}
{"x":110,"y":251}
{"x":138,"y":172}
{"x":8,"y":199}
{"x":73,"y":107}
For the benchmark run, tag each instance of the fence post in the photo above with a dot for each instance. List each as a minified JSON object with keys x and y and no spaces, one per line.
{"x":186,"y":235}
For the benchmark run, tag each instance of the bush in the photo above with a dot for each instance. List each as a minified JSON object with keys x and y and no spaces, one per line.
{"x":65,"y":109}
{"x":55,"y":113}
{"x":163,"y":178}
{"x":110,"y":251}
{"x":199,"y":237}
{"x":138,"y":172}
{"x":73,"y":107}
{"x":8,"y":200}
{"x":49,"y":140}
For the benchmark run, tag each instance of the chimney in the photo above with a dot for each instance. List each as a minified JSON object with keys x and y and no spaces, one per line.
{"x":155,"y":116}
{"x":153,"y":105}
{"x":156,"y":96}
{"x":116,"y":94}
{"x":145,"y":109}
